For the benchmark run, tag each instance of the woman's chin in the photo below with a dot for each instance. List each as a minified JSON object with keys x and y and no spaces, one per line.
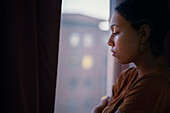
{"x":123,"y":61}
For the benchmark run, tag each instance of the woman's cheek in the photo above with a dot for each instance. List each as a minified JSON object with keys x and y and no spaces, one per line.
{"x":116,"y":38}
{"x":117,"y":42}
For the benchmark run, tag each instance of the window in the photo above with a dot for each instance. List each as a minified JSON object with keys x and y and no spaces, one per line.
{"x":82,"y":68}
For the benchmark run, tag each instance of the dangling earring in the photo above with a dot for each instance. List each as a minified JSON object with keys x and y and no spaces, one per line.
{"x":141,"y":48}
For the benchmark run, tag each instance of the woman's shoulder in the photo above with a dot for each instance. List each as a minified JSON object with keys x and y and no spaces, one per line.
{"x":157,"y":82}
{"x":150,"y":92}
{"x":157,"y":78}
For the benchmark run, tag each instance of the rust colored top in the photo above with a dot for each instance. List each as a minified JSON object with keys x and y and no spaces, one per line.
{"x":148,"y":94}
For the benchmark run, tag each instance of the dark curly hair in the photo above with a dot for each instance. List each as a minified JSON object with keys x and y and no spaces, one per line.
{"x":154,"y":13}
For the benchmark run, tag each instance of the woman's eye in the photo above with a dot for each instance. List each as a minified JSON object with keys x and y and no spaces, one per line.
{"x":115,"y":33}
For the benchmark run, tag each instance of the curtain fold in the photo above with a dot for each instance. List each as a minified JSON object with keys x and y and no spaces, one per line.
{"x":30,"y":40}
{"x":167,"y":48}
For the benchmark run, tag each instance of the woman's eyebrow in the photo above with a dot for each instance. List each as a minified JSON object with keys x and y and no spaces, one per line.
{"x":114,"y":25}
{"x":111,"y":26}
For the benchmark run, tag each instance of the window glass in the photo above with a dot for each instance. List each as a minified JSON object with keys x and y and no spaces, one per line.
{"x":82,"y":67}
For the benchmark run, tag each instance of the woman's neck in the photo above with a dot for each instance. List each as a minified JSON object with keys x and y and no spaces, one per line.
{"x":150,"y":64}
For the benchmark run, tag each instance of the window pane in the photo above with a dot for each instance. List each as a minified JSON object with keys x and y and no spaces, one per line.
{"x":82,"y":67}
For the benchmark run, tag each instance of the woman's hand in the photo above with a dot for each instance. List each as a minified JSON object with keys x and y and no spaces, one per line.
{"x":102,"y":104}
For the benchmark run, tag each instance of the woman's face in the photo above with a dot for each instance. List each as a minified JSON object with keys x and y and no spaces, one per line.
{"x":124,"y":40}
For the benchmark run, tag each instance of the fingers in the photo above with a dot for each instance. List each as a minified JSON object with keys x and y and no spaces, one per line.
{"x":104,"y":97}
{"x":102,"y":104}
{"x":104,"y":101}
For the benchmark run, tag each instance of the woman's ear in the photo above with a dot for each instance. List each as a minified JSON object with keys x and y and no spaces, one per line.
{"x":144,"y":32}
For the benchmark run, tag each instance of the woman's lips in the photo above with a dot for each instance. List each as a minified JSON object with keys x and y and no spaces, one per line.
{"x":113,"y":53}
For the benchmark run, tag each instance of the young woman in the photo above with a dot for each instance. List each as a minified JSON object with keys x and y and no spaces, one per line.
{"x":138,"y":30}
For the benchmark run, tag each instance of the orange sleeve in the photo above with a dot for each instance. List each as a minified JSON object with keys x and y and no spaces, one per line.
{"x":121,"y":82}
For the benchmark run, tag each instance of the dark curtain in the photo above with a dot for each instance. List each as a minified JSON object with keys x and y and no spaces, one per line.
{"x":30,"y":44}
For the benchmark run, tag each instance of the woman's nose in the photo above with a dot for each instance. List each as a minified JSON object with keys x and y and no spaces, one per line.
{"x":111,"y":42}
